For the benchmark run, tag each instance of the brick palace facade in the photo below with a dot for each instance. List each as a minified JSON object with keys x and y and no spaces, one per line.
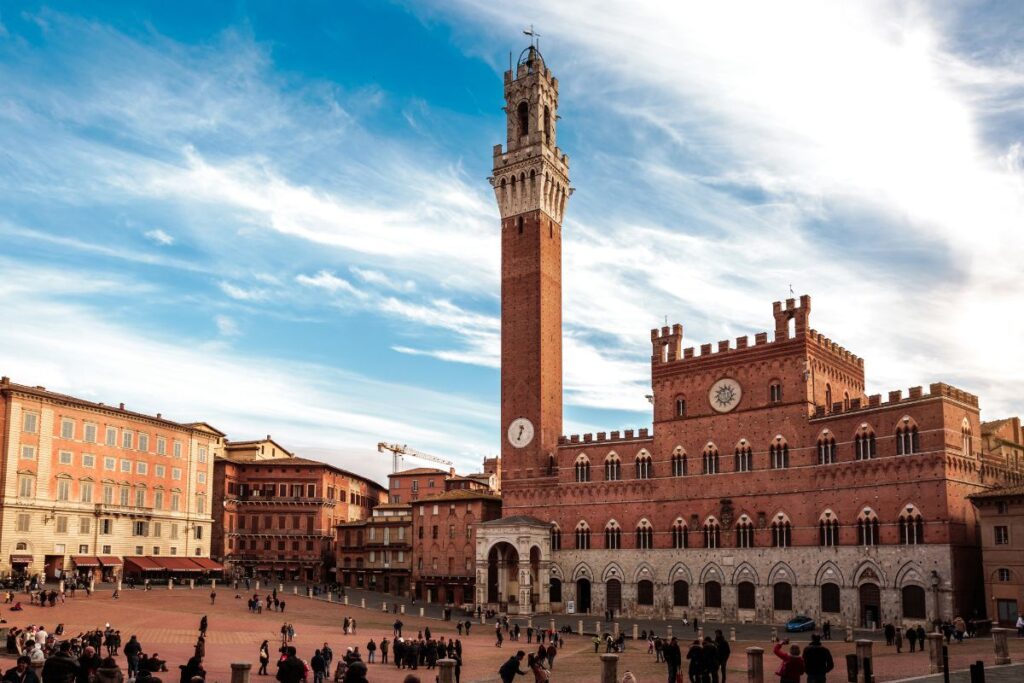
{"x":771,"y":484}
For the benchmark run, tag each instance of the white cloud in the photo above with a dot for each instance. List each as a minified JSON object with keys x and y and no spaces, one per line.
{"x":383,"y":280}
{"x":226,"y":326}
{"x":239,"y":293}
{"x":329,"y":282}
{"x":160,"y":237}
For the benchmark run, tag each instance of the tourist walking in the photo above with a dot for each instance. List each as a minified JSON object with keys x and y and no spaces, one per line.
{"x":264,"y":658}
{"x":724,"y":652}
{"x":673,"y":658}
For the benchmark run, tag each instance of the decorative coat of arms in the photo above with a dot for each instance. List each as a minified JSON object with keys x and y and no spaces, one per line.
{"x":725,"y":512}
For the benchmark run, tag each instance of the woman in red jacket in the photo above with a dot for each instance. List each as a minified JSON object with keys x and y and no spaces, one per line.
{"x":792,"y":667}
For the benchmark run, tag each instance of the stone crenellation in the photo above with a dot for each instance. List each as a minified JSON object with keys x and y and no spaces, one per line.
{"x":642,"y":434}
{"x":935,"y":390}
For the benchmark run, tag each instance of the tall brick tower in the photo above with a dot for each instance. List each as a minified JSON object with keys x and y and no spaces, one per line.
{"x":531,"y":184}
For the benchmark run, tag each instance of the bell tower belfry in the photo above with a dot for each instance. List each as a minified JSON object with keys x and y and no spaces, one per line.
{"x":531,"y":185}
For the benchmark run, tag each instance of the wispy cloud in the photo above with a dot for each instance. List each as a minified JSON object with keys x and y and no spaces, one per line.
{"x":160,"y":237}
{"x":239,"y":293}
{"x":226,"y":326}
{"x":329,"y":282}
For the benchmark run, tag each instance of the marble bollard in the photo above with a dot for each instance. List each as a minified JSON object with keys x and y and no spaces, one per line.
{"x":609,"y":668}
{"x":240,"y":672}
{"x":1001,"y":646}
{"x":755,"y":665}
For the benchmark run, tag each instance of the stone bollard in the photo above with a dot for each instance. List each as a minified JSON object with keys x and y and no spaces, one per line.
{"x":170,"y":584}
{"x":92,"y":585}
{"x":384,"y":607}
{"x":295,"y":590}
{"x":309,"y":591}
{"x":668,"y":628}
{"x":1002,"y":649}
{"x":934,"y":652}
{"x":280,"y":588}
{"x":636,"y":632}
{"x":579,"y":627}
{"x":864,"y":652}
{"x":700,"y":634}
{"x":615,"y":629}
{"x":775,"y":634}
{"x":609,"y":668}
{"x":849,"y":634}
{"x":213,"y":584}
{"x":732,"y":634}
{"x":529,"y":622}
{"x":447,"y":670}
{"x":191,"y":584}
{"x":60,"y":586}
{"x":119,"y":585}
{"x":257,"y":584}
{"x":597,"y":627}
{"x":755,"y":665}
{"x":401,"y":609}
{"x":240,"y":672}
{"x":551,"y":625}
{"x":421,"y":611}
{"x":483,"y":619}
{"x":362,"y":603}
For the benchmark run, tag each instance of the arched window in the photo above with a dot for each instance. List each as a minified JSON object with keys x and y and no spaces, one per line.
{"x":680,"y":539}
{"x":680,"y":594}
{"x":612,"y":468}
{"x":612,"y":535}
{"x":582,"y":536}
{"x":644,"y":535}
{"x":775,"y":392}
{"x":523,"y":114}
{"x":846,"y":400}
{"x":679,"y":463}
{"x":907,"y":440}
{"x":778,"y":454}
{"x":782,"y":532}
{"x":911,"y":526}
{"x":746,"y":595}
{"x":782,"y":596}
{"x":643,"y":466}
{"x":582,"y":468}
{"x":744,"y":532}
{"x":967,"y":439}
{"x":913,"y":602}
{"x":864,"y":444}
{"x":555,"y":590}
{"x":556,"y":537}
{"x":828,"y":397}
{"x":744,"y":457}
{"x":644,"y":592}
{"x":680,"y":406}
{"x":709,"y":460}
{"x":547,"y":124}
{"x":712,"y":533}
{"x":826,"y":449}
{"x":867,"y":528}
{"x":830,"y":601}
{"x":828,"y":530}
{"x":712,"y":594}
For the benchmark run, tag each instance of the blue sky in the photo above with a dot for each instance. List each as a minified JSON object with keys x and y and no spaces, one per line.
{"x":274,"y":216}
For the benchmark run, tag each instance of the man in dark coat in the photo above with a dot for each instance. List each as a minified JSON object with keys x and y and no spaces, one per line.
{"x":61,"y":668}
{"x":817,"y":660}
{"x":673,"y":658}
{"x":510,"y":669}
{"x":290,"y":669}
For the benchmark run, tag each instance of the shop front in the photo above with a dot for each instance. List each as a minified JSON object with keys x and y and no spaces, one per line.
{"x":86,"y":568}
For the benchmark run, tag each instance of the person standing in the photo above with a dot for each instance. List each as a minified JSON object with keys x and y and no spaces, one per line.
{"x":132,"y":650}
{"x":792,"y":663}
{"x":695,"y":655}
{"x":371,"y":651}
{"x":673,"y":658}
{"x":826,"y":630}
{"x":551,"y":652}
{"x":817,"y":661}
{"x":912,"y":638}
{"x":61,"y":668}
{"x":724,"y":652}
{"x":291,"y":669}
{"x":264,"y":658}
{"x":384,"y":650}
{"x":890,"y":634}
{"x":397,"y":628}
{"x":21,"y":673}
{"x":898,"y":640}
{"x":319,"y":667}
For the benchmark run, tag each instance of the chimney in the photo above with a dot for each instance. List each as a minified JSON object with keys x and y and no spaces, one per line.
{"x":451,"y":471}
{"x":121,"y":406}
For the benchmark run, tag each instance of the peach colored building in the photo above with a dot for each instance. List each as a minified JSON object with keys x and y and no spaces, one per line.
{"x":87,"y":484}
{"x":280,"y":511}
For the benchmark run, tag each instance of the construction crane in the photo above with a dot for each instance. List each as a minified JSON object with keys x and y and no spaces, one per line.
{"x":398,"y":454}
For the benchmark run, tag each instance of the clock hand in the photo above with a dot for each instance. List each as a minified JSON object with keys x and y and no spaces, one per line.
{"x":518,"y":436}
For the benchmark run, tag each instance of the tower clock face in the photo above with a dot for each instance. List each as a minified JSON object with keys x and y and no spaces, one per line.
{"x":520,"y":432}
{"x":725,"y":394}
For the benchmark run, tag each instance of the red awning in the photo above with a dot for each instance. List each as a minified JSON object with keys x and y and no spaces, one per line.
{"x":207,"y":564}
{"x":143,"y":563}
{"x":177,"y":564}
{"x":21,"y":559}
{"x":85,"y":561}
{"x":109,"y":561}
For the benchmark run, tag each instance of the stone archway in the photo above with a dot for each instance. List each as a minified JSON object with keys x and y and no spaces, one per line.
{"x":870,"y":598}
{"x":503,"y":575}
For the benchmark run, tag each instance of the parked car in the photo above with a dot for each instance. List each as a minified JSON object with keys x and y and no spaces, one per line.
{"x":799,"y":623}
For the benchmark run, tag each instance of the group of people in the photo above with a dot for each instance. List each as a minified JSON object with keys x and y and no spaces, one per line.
{"x":914,"y":637}
{"x":256,"y":603}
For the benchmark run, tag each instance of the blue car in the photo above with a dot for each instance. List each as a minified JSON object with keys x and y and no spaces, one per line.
{"x":798,"y":624}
